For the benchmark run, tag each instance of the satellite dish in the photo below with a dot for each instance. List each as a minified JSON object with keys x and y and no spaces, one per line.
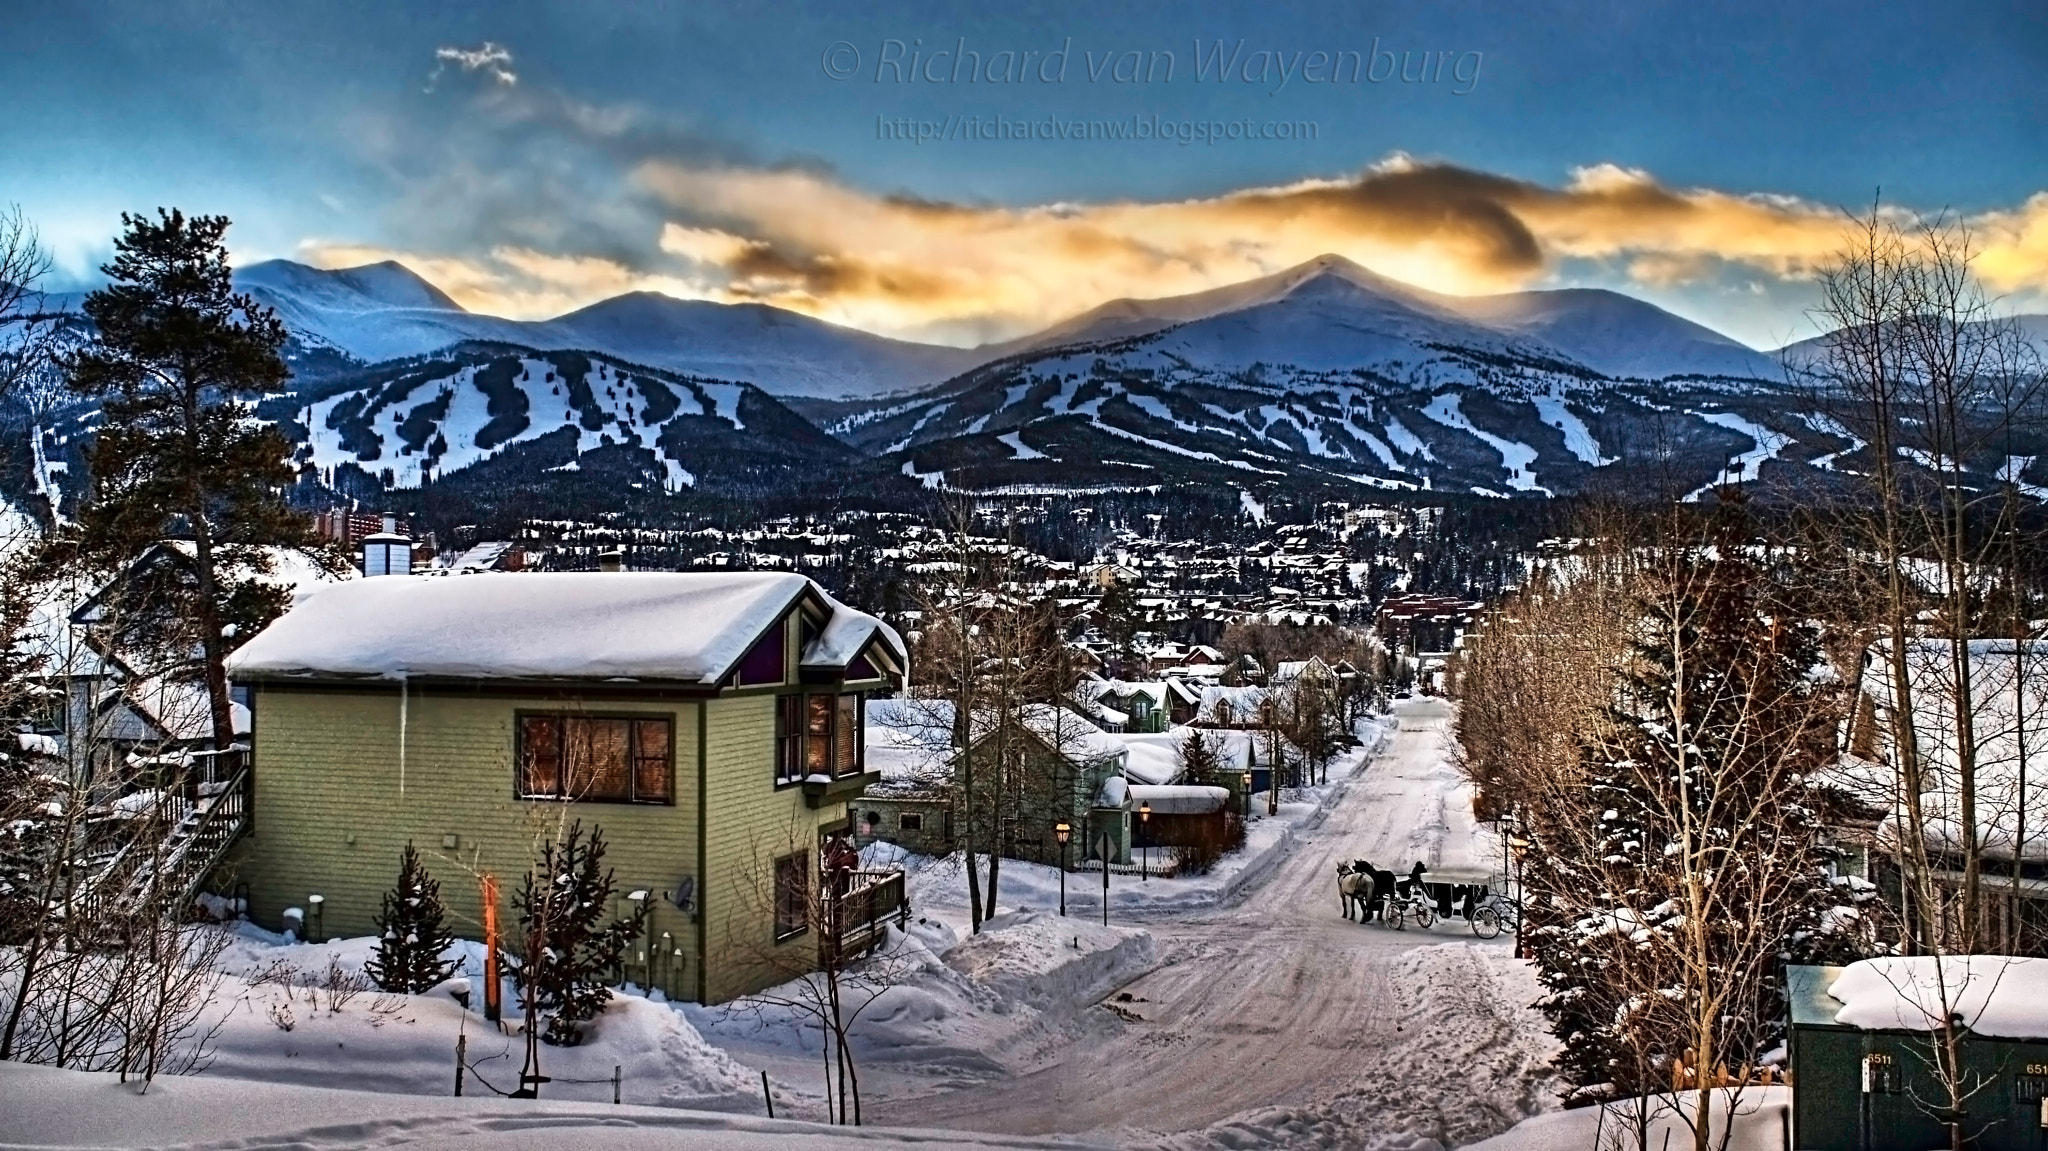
{"x":685,"y":893}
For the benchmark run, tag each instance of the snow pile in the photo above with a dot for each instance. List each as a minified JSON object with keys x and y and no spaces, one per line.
{"x":1995,"y":994}
{"x":1052,"y":963}
{"x":273,"y":1027}
{"x":928,"y":999}
{"x":1760,"y":1117}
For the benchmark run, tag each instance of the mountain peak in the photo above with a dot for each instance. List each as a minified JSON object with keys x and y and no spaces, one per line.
{"x":366,"y":287}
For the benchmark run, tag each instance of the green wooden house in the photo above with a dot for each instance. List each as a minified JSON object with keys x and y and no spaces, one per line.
{"x":709,"y":723}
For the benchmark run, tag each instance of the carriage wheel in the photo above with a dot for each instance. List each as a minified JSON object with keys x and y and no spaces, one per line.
{"x":1397,"y":917}
{"x":1486,"y":923}
{"x":1424,"y":916}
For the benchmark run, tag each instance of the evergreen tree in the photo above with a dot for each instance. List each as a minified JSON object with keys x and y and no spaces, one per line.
{"x":1668,"y":899}
{"x":177,"y":362}
{"x":1198,"y":760}
{"x":412,"y":932}
{"x":571,"y":953}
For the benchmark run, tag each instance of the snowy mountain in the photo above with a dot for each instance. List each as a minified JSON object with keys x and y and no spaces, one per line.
{"x":384,"y":311}
{"x":1329,"y":372}
{"x":519,"y":413}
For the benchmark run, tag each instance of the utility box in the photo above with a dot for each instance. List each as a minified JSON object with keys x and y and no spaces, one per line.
{"x":1874,"y":1089}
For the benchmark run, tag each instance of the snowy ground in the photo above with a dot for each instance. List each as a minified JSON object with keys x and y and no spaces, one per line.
{"x":1275,"y":1022}
{"x":45,"y":1107}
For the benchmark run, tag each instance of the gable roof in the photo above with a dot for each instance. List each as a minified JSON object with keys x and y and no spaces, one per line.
{"x":691,"y":627}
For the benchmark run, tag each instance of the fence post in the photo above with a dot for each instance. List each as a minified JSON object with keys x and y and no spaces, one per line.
{"x":765,"y":1094}
{"x":615,"y":1084}
{"x":461,"y":1047}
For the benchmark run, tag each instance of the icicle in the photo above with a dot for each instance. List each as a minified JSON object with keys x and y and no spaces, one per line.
{"x":404,"y":686}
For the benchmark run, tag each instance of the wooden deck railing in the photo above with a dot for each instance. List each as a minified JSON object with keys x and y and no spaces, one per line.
{"x":859,"y":912}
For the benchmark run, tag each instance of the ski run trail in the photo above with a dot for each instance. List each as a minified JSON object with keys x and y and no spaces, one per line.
{"x":1273,"y":1021}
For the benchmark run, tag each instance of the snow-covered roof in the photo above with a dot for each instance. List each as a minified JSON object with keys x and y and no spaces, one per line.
{"x":1244,"y":703}
{"x":908,"y":739}
{"x":2009,"y":700}
{"x":1179,"y":799}
{"x":688,"y":626}
{"x":847,"y":634}
{"x":1999,"y":995}
{"x":178,"y":706}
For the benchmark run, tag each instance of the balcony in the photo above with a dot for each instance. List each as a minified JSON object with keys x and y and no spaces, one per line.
{"x":857,"y":916}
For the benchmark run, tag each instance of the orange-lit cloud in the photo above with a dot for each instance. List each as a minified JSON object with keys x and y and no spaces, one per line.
{"x":894,"y":264}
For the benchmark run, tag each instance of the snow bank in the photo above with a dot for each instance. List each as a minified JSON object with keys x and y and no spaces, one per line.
{"x":48,"y":1107}
{"x":1050,"y":962}
{"x":1759,"y":1125}
{"x":1995,"y":994}
{"x":405,"y":1044}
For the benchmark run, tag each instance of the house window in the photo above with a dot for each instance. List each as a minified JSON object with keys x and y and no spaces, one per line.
{"x":817,"y":735}
{"x":910,"y":821}
{"x":603,"y":759}
{"x":792,"y":895}
{"x":789,"y":739}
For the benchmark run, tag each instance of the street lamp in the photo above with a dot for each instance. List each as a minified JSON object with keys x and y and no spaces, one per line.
{"x":1519,"y":844}
{"x":1063,"y":831}
{"x":1144,"y":818}
{"x":1245,"y":788}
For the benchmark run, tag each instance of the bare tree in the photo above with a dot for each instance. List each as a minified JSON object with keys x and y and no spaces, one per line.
{"x":844,"y":957}
{"x":1936,"y":391}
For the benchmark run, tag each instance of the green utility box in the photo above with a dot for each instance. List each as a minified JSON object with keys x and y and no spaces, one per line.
{"x":1870,"y":1089}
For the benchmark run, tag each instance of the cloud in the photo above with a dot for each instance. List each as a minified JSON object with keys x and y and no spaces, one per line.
{"x":492,"y":60}
{"x":597,"y":201}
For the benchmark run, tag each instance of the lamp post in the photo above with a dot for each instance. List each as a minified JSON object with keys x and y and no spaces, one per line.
{"x":1518,"y":843}
{"x":1245,"y":788}
{"x":1063,"y":831}
{"x":1107,"y":850}
{"x":1145,"y":845}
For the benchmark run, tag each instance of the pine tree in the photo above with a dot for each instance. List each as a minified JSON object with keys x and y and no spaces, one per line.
{"x":412,"y":932}
{"x":177,"y":362}
{"x":1198,"y":759}
{"x":571,"y":954}
{"x":1691,"y":872}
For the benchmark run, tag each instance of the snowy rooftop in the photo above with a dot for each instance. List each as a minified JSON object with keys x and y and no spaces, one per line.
{"x":2009,"y":705}
{"x":2000,"y":995}
{"x":688,"y":626}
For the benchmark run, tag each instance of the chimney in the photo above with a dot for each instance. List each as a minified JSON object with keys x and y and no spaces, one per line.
{"x":612,"y":560}
{"x":387,"y":552}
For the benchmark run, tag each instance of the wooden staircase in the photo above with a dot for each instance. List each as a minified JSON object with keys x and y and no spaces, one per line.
{"x":160,"y":857}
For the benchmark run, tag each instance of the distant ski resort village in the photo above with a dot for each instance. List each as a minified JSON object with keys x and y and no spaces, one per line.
{"x":558,"y":589}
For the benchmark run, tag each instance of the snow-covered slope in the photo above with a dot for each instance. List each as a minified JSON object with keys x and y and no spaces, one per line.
{"x":1330,"y":371}
{"x":412,"y":422}
{"x":383,"y":311}
{"x":1619,"y":335}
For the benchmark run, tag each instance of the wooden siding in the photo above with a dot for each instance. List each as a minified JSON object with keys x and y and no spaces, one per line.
{"x":752,"y":823}
{"x":330,"y":815}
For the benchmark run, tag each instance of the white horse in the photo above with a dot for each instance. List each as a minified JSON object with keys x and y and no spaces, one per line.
{"x":1354,"y":888}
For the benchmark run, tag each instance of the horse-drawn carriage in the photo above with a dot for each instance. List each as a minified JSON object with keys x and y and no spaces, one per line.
{"x":1425,"y":895}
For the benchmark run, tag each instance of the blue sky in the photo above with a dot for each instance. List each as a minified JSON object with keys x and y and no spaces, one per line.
{"x":1694,"y":154}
